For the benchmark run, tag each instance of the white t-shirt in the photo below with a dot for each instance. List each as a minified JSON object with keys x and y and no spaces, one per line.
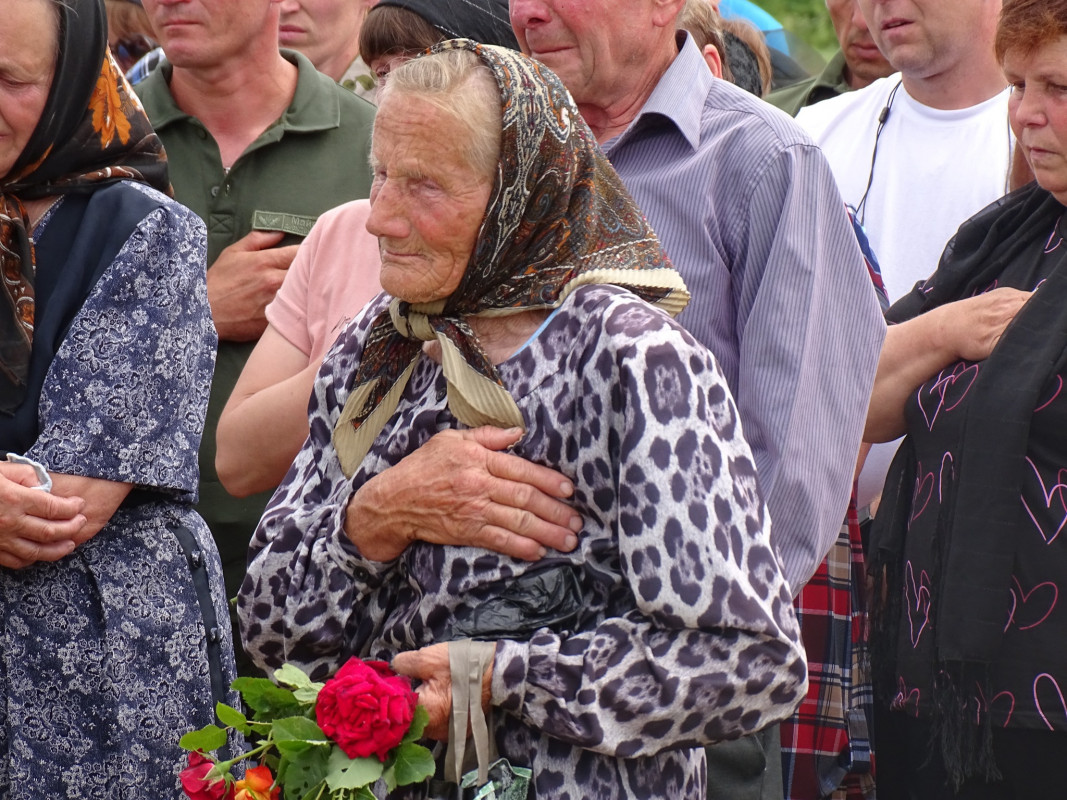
{"x":934,"y":170}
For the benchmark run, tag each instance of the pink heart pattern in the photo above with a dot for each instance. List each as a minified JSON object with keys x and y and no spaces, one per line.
{"x":946,"y":392}
{"x":1055,"y":498}
{"x":917,"y":601}
{"x":906,"y":699}
{"x":984,"y":706}
{"x":1048,"y":688}
{"x":1030,"y":609}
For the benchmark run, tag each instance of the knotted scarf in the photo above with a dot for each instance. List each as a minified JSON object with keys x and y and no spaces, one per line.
{"x":92,"y":132}
{"x":558,"y":218}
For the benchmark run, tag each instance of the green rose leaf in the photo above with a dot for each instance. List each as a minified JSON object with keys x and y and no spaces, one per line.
{"x":294,"y":735}
{"x":305,"y":690}
{"x":307,"y":694}
{"x":413,"y":764}
{"x":232,"y":718}
{"x":305,"y":772}
{"x":364,"y":793}
{"x":266,"y":699}
{"x":418,"y":725}
{"x":208,"y":738}
{"x":351,"y":773}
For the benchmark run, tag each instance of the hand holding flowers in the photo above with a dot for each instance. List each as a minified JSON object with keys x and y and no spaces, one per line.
{"x":314,"y":740}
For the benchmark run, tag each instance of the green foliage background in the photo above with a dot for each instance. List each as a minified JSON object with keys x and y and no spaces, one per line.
{"x":808,"y":19}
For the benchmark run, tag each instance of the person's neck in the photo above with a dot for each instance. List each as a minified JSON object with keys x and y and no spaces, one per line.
{"x":963,"y":86}
{"x":338,"y":63}
{"x":499,"y":337}
{"x":238,"y":100}
{"x":609,"y":117}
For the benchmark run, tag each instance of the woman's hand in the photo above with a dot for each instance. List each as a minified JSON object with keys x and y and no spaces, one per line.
{"x":971,"y":328}
{"x":35,"y":525}
{"x":430,"y":665}
{"x":914,"y":351}
{"x":460,"y":489}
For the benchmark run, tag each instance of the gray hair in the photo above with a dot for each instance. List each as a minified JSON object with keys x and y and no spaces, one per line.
{"x":458,"y":83}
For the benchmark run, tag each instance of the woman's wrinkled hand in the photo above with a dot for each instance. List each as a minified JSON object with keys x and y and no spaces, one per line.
{"x":35,"y":525}
{"x":430,"y":666}
{"x":462,"y":488}
{"x":973,"y":326}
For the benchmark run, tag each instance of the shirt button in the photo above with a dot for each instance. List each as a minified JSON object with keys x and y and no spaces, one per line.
{"x":201,"y":133}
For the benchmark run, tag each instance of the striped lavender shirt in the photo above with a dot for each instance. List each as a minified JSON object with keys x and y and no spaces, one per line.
{"x":747,"y":209}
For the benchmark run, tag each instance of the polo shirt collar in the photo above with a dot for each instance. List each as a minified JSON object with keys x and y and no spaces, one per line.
{"x":314,"y":107}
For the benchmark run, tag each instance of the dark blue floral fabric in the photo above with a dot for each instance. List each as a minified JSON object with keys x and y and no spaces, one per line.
{"x":104,"y":657}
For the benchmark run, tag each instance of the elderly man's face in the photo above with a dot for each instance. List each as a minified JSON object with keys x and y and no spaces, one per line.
{"x":590,"y":44}
{"x":865,"y":61}
{"x":922,"y":38}
{"x":208,"y":33}
{"x":427,"y":199}
{"x":29,"y":39}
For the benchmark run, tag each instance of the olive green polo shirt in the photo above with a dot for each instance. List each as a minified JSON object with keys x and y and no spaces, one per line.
{"x":828,"y":83}
{"x":313,"y":158}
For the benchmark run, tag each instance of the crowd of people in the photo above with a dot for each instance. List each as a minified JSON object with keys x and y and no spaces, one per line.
{"x":332,"y":327}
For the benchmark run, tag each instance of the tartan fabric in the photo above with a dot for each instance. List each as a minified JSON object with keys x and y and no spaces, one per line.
{"x":819,"y":757}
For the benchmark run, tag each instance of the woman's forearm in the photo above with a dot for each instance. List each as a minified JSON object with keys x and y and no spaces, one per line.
{"x":916,"y":350}
{"x":265,"y":421}
{"x":102,"y":499}
{"x":912,"y":352}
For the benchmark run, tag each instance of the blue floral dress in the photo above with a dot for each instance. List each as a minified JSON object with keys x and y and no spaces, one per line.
{"x":109,"y":655}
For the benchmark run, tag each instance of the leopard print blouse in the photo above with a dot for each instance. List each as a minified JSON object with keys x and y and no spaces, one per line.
{"x":686,"y":633}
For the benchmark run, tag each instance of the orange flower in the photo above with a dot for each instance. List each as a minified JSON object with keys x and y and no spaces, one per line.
{"x":256,"y":785}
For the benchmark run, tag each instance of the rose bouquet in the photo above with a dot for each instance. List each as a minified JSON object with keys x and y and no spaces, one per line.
{"x":314,"y":741}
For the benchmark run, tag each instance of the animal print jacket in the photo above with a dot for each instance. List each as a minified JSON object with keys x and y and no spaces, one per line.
{"x":685,"y":632}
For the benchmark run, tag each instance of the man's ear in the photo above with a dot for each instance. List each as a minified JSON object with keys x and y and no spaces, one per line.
{"x":665,"y":12}
{"x":714,"y":59}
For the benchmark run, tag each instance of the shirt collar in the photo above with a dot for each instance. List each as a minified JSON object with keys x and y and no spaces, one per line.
{"x":679,"y":95}
{"x":314,"y":107}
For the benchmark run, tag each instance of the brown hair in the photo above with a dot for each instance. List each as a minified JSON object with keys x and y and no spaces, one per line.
{"x":704,"y":24}
{"x":1029,"y":24}
{"x":126,"y":19}
{"x":751,"y":36}
{"x":390,"y":30}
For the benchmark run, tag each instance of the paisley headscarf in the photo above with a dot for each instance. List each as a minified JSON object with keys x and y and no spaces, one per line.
{"x":92,"y":132}
{"x":558,"y":218}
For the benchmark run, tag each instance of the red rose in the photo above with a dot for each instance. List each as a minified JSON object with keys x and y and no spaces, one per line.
{"x":366,"y":708}
{"x":195,"y":783}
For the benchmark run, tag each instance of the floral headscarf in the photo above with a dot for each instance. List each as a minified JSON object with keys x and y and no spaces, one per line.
{"x":558,"y":218}
{"x":92,"y":132}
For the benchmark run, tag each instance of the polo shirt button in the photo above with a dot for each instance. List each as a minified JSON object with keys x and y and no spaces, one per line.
{"x":201,"y":133}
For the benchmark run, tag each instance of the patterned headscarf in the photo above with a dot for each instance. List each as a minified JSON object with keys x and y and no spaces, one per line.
{"x":558,"y":218}
{"x":92,"y":131}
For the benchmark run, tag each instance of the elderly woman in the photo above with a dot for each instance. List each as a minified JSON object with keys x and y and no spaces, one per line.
{"x":516,"y":262}
{"x":115,"y":633}
{"x":335,"y":272}
{"x":970,"y":530}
